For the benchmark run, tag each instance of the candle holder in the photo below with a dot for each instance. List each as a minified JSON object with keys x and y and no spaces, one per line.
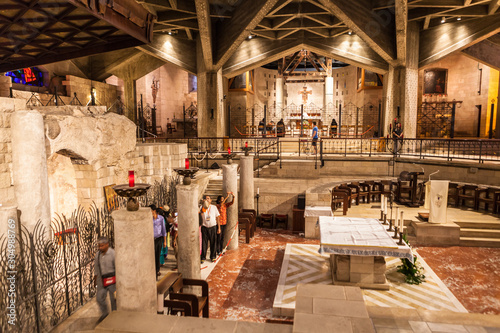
{"x":188,"y":174}
{"x":257,"y":196}
{"x":395,"y":233}
{"x":390,"y":225}
{"x":229,"y":157}
{"x":247,"y":150}
{"x":401,"y":241}
{"x":381,"y":215}
{"x":131,"y":193}
{"x":385,"y":219}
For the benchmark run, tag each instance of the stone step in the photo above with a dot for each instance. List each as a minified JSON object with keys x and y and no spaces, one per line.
{"x":480,"y":242}
{"x":478,"y":225}
{"x":479,"y":233}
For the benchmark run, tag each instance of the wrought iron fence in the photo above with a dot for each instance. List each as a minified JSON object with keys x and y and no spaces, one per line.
{"x":54,"y":275}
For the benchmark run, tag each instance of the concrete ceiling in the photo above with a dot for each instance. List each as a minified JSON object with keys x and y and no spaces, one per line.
{"x":380,"y":28}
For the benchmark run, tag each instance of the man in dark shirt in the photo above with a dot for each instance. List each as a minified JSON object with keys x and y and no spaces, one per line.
{"x":105,"y":270}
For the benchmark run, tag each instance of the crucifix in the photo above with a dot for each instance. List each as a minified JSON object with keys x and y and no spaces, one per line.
{"x":304,"y":94}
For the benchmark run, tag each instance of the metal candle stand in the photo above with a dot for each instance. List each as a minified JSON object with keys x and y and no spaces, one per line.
{"x":229,"y":157}
{"x":395,"y":233}
{"x":187,"y":173}
{"x":385,"y":219}
{"x":247,"y":150}
{"x":401,"y":242}
{"x":390,"y":226}
{"x":257,"y":196}
{"x":131,"y":192}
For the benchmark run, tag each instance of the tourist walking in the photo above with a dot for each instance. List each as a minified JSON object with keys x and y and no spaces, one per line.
{"x":222,"y":206}
{"x":160,"y":236}
{"x":315,"y":137}
{"x":209,"y":229}
{"x":104,"y":276}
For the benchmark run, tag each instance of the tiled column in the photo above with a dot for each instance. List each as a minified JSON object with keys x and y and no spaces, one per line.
{"x":230,"y":184}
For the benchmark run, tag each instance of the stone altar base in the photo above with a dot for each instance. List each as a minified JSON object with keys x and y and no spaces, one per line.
{"x":360,"y":271}
{"x":435,"y":234}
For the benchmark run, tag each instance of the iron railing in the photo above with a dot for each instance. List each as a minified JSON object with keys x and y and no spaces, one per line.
{"x":48,"y":275}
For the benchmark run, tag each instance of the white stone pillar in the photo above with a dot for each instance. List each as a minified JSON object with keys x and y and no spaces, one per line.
{"x":280,"y":96}
{"x":246,"y":182}
{"x":8,"y":221}
{"x":29,"y":169}
{"x":230,"y":184}
{"x":328,"y":91}
{"x":135,"y":261}
{"x":189,"y":232}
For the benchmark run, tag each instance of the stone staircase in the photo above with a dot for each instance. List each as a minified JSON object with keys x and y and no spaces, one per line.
{"x":214,"y":188}
{"x":479,"y":234}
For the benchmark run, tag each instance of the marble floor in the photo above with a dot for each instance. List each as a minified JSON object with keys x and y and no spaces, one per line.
{"x":243,"y":283}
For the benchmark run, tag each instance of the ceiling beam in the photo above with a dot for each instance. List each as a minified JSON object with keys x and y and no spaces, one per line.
{"x":259,"y":51}
{"x":177,"y":51}
{"x":375,"y":28}
{"x":493,"y":7}
{"x":401,"y":15}
{"x":444,"y":39}
{"x":485,"y":52}
{"x":205,"y":34}
{"x":232,"y":33}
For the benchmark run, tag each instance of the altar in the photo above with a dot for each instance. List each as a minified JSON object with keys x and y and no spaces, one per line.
{"x":357,"y":248}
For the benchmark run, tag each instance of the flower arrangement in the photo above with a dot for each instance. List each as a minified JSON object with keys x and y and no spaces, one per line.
{"x":411,"y":270}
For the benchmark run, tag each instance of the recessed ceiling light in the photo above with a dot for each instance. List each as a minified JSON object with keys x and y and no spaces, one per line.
{"x":443,"y":19}
{"x":350,"y":32}
{"x":459,"y":18}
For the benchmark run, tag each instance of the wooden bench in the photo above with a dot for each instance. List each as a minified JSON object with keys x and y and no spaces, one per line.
{"x":163,"y":289}
{"x":189,"y":304}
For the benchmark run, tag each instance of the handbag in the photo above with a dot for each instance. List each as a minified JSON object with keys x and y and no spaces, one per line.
{"x":108,"y":279}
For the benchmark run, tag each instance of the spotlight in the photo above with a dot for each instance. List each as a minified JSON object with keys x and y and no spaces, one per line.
{"x":459,"y":18}
{"x":349,"y":32}
{"x":443,"y":19}
{"x":170,"y":32}
{"x":251,"y":36}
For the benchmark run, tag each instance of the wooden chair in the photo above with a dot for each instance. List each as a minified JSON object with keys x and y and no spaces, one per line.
{"x":363,"y":191}
{"x":281,"y":219}
{"x":348,"y":192}
{"x":267,"y":218}
{"x":340,"y":198}
{"x":403,"y":188}
{"x":375,"y":189}
{"x":163,"y":289}
{"x":244,"y":223}
{"x":466,"y":193}
{"x":254,"y":215}
{"x":488,"y":196}
{"x":388,"y":187}
{"x":189,"y":304}
{"x":453,"y":189}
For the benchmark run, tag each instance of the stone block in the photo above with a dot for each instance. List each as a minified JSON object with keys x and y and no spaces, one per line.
{"x":366,"y":278}
{"x":356,"y":259}
{"x":379,"y":278}
{"x":368,"y":259}
{"x":362,"y":268}
{"x":354,"y":277}
{"x":5,"y":180}
{"x":5,"y":135}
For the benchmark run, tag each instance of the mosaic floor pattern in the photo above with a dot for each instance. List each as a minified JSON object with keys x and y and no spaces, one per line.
{"x":303,"y":264}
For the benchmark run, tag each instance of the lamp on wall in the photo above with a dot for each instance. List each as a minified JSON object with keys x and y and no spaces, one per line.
{"x":93,"y":95}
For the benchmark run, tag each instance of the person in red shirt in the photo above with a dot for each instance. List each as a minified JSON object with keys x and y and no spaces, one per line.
{"x":222,"y":205}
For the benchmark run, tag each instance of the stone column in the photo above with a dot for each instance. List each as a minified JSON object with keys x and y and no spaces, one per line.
{"x":135,"y":261}
{"x":210,"y":99}
{"x":401,"y":88}
{"x":280,"y":95}
{"x":29,"y":169}
{"x":189,"y":233}
{"x":246,"y":199}
{"x":8,"y":221}
{"x":230,"y":184}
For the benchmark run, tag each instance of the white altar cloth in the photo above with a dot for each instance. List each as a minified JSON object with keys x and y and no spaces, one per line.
{"x":318,"y":211}
{"x":359,"y":236}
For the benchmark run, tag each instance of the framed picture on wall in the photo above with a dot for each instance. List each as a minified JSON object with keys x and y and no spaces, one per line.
{"x":111,"y":198}
{"x":435,"y":81}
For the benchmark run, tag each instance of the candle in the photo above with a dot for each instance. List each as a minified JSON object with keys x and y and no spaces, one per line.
{"x":229,"y":150}
{"x":385,"y":206}
{"x":186,"y":163}
{"x":131,"y":179}
{"x":401,"y":223}
{"x":246,"y":144}
{"x":382,"y":202}
{"x":396,"y":219}
{"x":257,"y":190}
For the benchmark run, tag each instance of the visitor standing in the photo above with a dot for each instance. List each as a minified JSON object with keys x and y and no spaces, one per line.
{"x":104,"y":276}
{"x":222,"y":206}
{"x":160,"y":236}
{"x":315,"y":137}
{"x":209,"y":229}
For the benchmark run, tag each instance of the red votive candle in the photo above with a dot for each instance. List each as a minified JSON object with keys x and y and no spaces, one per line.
{"x":246,"y":144}
{"x":229,"y":150}
{"x":131,"y":179}
{"x":186,"y":162}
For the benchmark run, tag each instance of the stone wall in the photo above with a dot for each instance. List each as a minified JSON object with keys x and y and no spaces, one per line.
{"x":7,"y":107}
{"x":86,"y":150}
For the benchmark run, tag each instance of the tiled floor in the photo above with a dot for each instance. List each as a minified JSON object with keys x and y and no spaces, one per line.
{"x":244,"y":282}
